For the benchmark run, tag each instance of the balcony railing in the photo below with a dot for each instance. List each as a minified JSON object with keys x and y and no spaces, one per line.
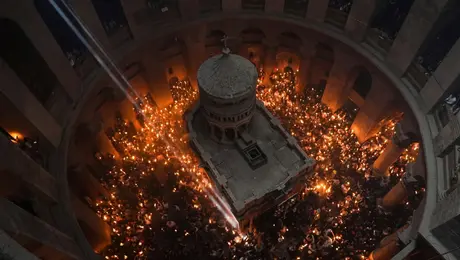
{"x":210,"y":6}
{"x":256,"y":5}
{"x":379,"y":40}
{"x":166,"y":13}
{"x":417,"y":75}
{"x":336,"y":17}
{"x":296,"y":7}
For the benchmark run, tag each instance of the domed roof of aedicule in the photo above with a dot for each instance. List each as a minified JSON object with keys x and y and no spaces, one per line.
{"x":227,"y":76}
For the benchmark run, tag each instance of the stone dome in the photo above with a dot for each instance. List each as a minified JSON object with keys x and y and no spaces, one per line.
{"x":227,"y":76}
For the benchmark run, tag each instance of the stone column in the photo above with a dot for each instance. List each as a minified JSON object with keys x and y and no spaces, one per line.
{"x":157,"y":80}
{"x":189,"y":9}
{"x":443,"y":80}
{"x":128,"y":113}
{"x":307,"y":52}
{"x":317,"y":10}
{"x":105,"y":145}
{"x":38,"y":33}
{"x":13,"y":249}
{"x":95,"y":229}
{"x":20,"y":96}
{"x":418,"y":24}
{"x":337,"y":81}
{"x":386,"y":252}
{"x":195,"y":51}
{"x":87,"y":13}
{"x":377,"y":104}
{"x":399,"y":193}
{"x":53,"y":244}
{"x":270,"y":58}
{"x":392,"y":151}
{"x":131,"y":8}
{"x":231,"y":5}
{"x":274,"y":6}
{"x":83,"y":183}
{"x":359,"y":18}
{"x":390,"y":245}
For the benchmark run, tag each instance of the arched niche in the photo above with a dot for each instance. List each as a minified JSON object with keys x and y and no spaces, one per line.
{"x":252,"y":36}
{"x":361,"y":80}
{"x":290,"y":40}
{"x":287,"y":59}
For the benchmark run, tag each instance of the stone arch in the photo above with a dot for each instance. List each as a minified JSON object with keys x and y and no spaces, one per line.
{"x":23,"y":58}
{"x":173,"y":57}
{"x":286,"y":59}
{"x":252,"y":36}
{"x":290,"y":40}
{"x":321,"y":66}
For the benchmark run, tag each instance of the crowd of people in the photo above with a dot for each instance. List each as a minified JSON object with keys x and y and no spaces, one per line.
{"x":173,"y":216}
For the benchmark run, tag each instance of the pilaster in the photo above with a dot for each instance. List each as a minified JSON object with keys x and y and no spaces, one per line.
{"x":317,"y":10}
{"x":413,"y":34}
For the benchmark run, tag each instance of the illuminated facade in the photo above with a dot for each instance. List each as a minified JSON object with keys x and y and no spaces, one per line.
{"x":57,"y":104}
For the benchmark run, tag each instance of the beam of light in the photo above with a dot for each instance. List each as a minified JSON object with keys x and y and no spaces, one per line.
{"x":122,"y":83}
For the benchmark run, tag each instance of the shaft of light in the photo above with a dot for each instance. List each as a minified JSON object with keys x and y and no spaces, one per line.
{"x":215,"y":198}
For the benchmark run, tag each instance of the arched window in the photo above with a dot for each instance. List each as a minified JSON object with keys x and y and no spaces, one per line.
{"x":437,"y":44}
{"x":296,"y":7}
{"x":252,"y":36}
{"x":253,"y":5}
{"x":20,"y":54}
{"x":441,"y":38}
{"x":70,"y":44}
{"x":111,"y":15}
{"x":363,"y":83}
{"x":390,"y":16}
{"x":337,"y":12}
